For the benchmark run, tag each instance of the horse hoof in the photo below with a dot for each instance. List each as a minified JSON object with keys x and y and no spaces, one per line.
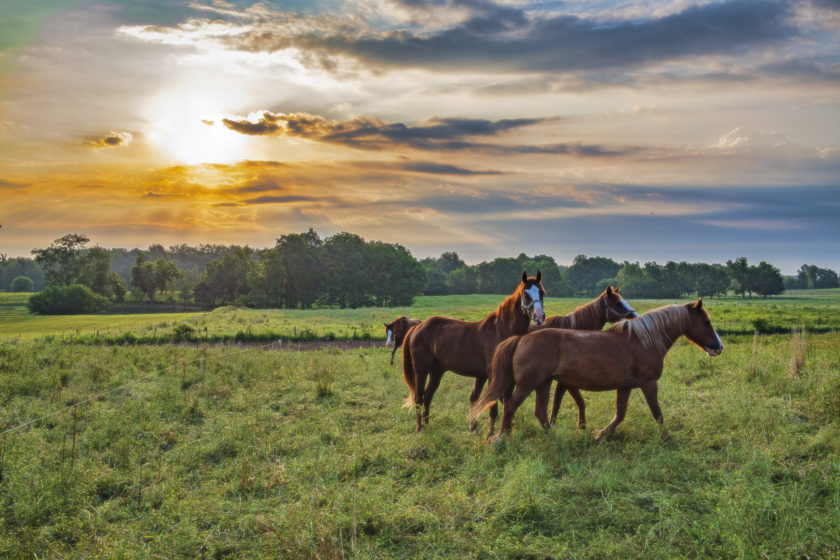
{"x":495,"y":440}
{"x":582,"y":426}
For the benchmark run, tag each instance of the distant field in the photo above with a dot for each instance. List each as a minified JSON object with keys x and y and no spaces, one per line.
{"x":813,"y":309}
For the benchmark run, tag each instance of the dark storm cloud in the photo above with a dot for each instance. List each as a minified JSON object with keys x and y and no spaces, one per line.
{"x":438,"y":134}
{"x":507,"y":38}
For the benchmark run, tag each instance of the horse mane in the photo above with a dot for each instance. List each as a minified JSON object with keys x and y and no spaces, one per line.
{"x":583,"y":316}
{"x":506,"y":312}
{"x":656,"y":328}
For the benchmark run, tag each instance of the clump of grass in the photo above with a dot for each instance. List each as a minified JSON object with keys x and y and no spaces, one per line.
{"x":798,"y":353}
{"x":752,"y":367}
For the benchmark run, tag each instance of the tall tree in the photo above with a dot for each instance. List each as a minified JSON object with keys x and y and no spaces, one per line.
{"x":768,"y":280}
{"x":63,"y":259}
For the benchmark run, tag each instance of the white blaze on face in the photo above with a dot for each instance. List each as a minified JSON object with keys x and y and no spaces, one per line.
{"x":629,"y":309}
{"x":537,"y":314}
{"x":390,"y":341}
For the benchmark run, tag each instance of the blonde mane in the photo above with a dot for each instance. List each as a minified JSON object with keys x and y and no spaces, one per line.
{"x":657,"y":328}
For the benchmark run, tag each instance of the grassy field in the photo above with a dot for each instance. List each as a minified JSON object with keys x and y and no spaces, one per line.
{"x":816,"y":310}
{"x":227,"y":451}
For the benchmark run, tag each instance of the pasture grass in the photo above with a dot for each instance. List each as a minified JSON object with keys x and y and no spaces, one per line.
{"x":248,"y":452}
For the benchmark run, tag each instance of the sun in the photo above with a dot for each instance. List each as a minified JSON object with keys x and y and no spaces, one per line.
{"x":186,"y":126}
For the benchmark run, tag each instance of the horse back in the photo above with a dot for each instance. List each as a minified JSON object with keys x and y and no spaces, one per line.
{"x":588,"y":360}
{"x":452,"y":344}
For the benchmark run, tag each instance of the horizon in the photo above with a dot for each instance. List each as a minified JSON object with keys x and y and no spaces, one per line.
{"x":689,"y":131}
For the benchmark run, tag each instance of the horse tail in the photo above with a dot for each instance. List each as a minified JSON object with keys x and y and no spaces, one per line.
{"x":408,"y":369}
{"x":501,"y":376}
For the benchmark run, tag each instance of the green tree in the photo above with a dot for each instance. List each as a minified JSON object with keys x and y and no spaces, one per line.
{"x":768,"y":280}
{"x":585,"y":273}
{"x":293,"y":270}
{"x":152,"y":277}
{"x":740,"y":274}
{"x":23,"y":284}
{"x":63,"y":260}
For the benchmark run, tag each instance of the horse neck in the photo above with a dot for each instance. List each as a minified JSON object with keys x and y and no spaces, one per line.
{"x":590,"y":316}
{"x":509,"y":318}
{"x":658,"y":329}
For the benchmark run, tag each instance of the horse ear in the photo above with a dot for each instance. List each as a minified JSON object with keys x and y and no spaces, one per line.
{"x":617,"y":288}
{"x":524,"y":276}
{"x":539,"y":276}
{"x":700,"y":303}
{"x":609,"y":290}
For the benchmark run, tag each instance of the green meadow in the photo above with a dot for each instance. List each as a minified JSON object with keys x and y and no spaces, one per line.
{"x":814,"y":310}
{"x":117,"y":449}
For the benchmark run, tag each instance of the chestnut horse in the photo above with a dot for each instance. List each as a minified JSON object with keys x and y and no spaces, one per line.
{"x":441,"y":344}
{"x":396,"y":331}
{"x":609,"y":307}
{"x":629,"y":354}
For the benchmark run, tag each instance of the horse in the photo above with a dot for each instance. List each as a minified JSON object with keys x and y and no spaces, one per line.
{"x":629,"y":354}
{"x":396,"y":331}
{"x":609,"y":307}
{"x":441,"y":344}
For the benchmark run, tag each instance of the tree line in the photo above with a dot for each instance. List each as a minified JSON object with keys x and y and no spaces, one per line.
{"x":304,"y":270}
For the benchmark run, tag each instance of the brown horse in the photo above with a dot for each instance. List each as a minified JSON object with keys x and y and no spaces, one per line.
{"x":441,"y":344}
{"x":627,"y":355}
{"x":396,"y":331}
{"x":609,"y":307}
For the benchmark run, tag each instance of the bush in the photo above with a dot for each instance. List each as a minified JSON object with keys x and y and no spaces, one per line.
{"x":67,"y":300}
{"x":22,"y":284}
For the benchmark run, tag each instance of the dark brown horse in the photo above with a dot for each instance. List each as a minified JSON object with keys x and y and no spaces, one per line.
{"x":629,"y":354}
{"x":396,"y":331}
{"x":609,"y":307}
{"x":441,"y":344}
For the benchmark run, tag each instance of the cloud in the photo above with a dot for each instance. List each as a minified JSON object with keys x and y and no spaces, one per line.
{"x":436,"y":134}
{"x":12,"y":184}
{"x":111,"y":140}
{"x":503,"y":38}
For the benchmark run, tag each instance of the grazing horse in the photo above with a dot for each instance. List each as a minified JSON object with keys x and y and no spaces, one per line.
{"x":609,"y":307}
{"x":396,"y":331}
{"x":629,"y":354}
{"x":439,"y":344}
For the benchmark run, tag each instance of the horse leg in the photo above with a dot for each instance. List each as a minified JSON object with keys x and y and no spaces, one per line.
{"x":394,"y":351}
{"x":419,"y":394}
{"x":650,"y":392}
{"x":558,"y":398}
{"x":434,"y":381}
{"x":621,"y":398}
{"x":510,"y":406}
{"x":494,"y":412}
{"x":476,"y":392}
{"x":581,"y":422}
{"x":541,"y":406}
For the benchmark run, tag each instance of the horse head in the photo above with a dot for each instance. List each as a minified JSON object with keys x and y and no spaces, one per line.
{"x":700,"y":330}
{"x":531,"y":297}
{"x":389,"y":332}
{"x":616,"y":307}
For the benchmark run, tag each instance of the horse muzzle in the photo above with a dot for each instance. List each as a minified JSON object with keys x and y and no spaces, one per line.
{"x":712,"y":352}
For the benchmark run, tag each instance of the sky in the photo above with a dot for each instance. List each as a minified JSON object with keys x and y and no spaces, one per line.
{"x":684,"y":130}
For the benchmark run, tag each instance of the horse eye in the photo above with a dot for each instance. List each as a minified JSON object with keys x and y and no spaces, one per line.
{"x":528,"y":297}
{"x":708,"y":323}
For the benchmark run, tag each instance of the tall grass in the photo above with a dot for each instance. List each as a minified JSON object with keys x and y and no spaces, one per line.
{"x":235,"y":452}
